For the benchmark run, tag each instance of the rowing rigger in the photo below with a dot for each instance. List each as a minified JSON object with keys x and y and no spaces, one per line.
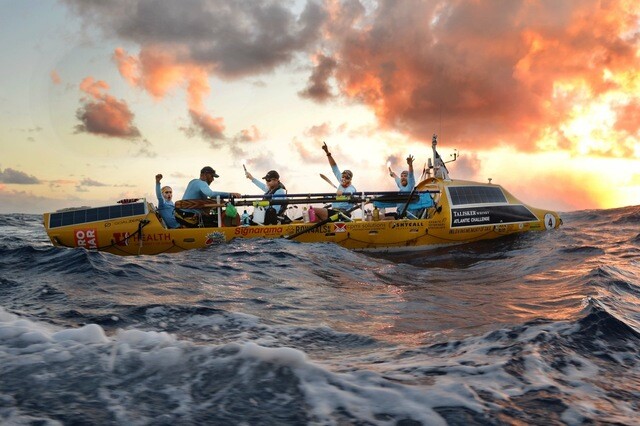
{"x":322,"y":198}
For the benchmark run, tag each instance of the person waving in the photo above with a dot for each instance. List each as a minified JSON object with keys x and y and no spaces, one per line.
{"x":345,"y":187}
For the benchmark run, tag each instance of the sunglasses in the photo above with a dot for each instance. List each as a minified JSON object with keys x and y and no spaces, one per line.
{"x":168,"y":192}
{"x":269,"y":180}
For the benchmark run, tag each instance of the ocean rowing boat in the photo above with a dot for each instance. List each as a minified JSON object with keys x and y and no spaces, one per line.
{"x":457,"y":212}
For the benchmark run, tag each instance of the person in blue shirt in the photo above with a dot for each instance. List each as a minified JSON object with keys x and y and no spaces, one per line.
{"x":406,"y":182}
{"x":345,"y":187}
{"x":166,"y":207}
{"x":198,"y":189}
{"x":273,"y":188}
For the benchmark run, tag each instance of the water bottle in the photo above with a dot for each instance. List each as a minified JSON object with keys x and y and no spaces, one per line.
{"x":376,"y":214}
{"x":312,"y":214}
{"x":367,"y":216}
{"x":305,"y":215}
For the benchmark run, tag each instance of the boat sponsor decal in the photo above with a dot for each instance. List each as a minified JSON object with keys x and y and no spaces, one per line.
{"x":125,"y":238}
{"x":86,"y":238}
{"x":121,"y":238}
{"x":339,"y":227}
{"x":490,"y":215}
{"x":215,"y":238}
{"x":367,"y":226}
{"x":437,"y":224}
{"x":258,"y":230}
{"x":407,"y":224}
{"x":501,"y":229}
{"x":470,"y":230}
{"x":324,"y":229}
{"x":549,"y":221}
{"x":121,"y":222}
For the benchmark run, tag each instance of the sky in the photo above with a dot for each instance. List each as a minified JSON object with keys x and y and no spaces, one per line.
{"x":97,"y":97}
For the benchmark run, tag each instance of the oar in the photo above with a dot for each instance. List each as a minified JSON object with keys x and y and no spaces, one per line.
{"x":388,"y":197}
{"x":403,"y":212}
{"x":326,"y":195}
{"x":328,"y":180}
{"x":198,"y":204}
{"x":352,"y":199}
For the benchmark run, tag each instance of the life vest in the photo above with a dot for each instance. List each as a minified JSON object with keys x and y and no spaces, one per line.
{"x":283,"y":207}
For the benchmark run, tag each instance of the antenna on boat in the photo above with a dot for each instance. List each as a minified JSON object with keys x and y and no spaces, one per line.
{"x":455,"y":156}
{"x":439,"y":169}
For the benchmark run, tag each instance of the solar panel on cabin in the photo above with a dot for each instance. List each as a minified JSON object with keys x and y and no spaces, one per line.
{"x":55,"y":220}
{"x":103,"y":213}
{"x":67,"y":218}
{"x":463,"y":195}
{"x":75,"y":217}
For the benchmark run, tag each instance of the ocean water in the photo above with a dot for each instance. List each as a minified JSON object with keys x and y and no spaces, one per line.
{"x":542,"y":328}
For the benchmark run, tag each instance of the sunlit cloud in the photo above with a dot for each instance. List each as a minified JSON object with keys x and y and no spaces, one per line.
{"x":319,"y":131}
{"x":252,"y":134}
{"x":160,"y":71}
{"x":55,"y":77}
{"x":536,"y":77}
{"x":102,"y":114}
{"x":422,"y":66}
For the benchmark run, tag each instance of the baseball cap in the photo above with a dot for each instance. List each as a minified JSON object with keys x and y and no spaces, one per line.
{"x":208,"y":169}
{"x":271,"y":174}
{"x":347,"y":173}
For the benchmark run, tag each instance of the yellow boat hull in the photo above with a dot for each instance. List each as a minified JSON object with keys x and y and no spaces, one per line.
{"x":448,"y":224}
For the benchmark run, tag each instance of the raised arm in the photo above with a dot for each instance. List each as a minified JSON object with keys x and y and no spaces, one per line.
{"x":325,"y":148}
{"x":255,"y":181}
{"x":158,"y":190}
{"x":411,"y":179}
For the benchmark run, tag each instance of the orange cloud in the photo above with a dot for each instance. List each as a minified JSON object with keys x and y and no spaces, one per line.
{"x":55,"y":77}
{"x":319,"y":131}
{"x":252,"y":134}
{"x":104,"y":115}
{"x":208,"y":126}
{"x":490,"y":73}
{"x":159,"y":70}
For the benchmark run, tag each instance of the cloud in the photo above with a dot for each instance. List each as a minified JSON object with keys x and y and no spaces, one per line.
{"x":467,"y":166}
{"x":183,"y":43}
{"x":208,"y":127}
{"x":319,"y":131}
{"x":318,"y":87}
{"x":252,"y":134}
{"x":145,"y":150}
{"x":307,"y":152}
{"x":55,"y":77}
{"x":158,"y":72}
{"x":102,"y":114}
{"x":534,"y":75}
{"x":235,"y":39}
{"x":91,"y":182}
{"x":488,"y":72}
{"x":10,"y":175}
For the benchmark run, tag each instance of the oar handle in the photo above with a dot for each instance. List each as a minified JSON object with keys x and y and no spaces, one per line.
{"x":198,"y":204}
